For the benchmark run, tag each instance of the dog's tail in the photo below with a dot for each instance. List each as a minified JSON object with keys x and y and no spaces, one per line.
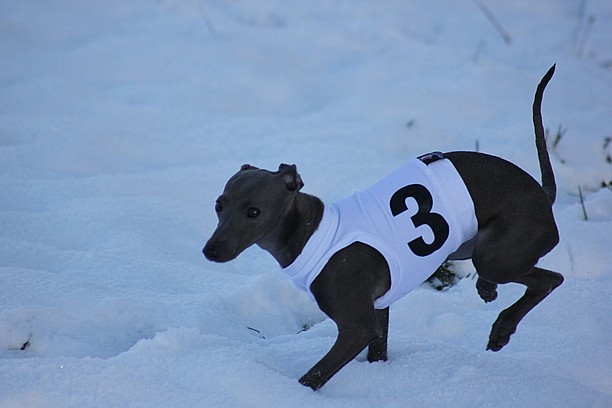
{"x":548,"y":177}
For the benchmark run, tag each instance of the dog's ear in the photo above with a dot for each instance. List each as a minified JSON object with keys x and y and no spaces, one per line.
{"x":290,"y":176}
{"x":248,"y":167}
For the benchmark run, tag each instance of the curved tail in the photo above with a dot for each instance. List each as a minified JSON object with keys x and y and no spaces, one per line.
{"x":548,"y":177}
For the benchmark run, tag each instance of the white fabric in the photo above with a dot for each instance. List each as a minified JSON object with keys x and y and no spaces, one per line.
{"x":366,"y":217}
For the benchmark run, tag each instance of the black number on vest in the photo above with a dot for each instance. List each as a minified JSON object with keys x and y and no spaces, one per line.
{"x":424,"y":216}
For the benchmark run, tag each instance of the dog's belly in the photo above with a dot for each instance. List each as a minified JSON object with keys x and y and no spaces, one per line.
{"x":464,"y":251}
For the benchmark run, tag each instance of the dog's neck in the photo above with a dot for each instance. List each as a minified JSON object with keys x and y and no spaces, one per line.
{"x":301,"y":220}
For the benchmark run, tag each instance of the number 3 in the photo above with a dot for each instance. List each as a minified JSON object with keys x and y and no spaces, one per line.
{"x":424,"y":216}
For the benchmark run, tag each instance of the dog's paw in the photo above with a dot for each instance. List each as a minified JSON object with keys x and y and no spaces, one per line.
{"x":488,"y":296}
{"x":314,"y":380}
{"x":377,"y":350}
{"x":494,"y":345}
{"x":374,"y":356}
{"x":486,"y":290}
{"x":500,"y":335}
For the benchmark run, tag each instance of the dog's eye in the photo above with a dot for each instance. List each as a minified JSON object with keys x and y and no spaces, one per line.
{"x":218,"y":207}
{"x":253,"y":212}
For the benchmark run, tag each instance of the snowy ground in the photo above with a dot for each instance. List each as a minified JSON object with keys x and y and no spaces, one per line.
{"x":120,"y":122}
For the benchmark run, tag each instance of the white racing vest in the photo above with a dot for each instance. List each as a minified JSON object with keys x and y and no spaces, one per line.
{"x":415,"y":217}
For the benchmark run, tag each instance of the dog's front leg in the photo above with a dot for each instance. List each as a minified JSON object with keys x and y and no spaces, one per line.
{"x":350,"y":342}
{"x":377,"y":351}
{"x":345,"y":291}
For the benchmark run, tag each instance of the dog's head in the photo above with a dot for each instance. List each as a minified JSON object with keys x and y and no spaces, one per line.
{"x":251,"y":209}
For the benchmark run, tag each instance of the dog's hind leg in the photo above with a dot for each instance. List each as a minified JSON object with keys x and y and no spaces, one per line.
{"x":540,"y":283}
{"x":507,"y":251}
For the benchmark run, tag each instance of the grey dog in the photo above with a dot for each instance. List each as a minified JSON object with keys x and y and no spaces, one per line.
{"x":515,"y":228}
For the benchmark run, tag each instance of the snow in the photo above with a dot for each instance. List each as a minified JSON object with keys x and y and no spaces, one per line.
{"x":120,"y":122}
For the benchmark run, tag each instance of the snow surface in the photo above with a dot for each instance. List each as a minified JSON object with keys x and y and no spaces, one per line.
{"x":120,"y":122}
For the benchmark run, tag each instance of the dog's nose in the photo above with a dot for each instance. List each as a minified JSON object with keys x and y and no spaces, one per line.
{"x":210,"y":253}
